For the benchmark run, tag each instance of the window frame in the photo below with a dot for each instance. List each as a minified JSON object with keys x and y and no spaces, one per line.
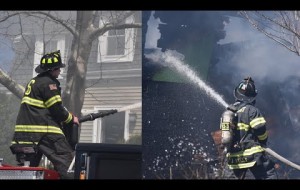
{"x":98,"y":135}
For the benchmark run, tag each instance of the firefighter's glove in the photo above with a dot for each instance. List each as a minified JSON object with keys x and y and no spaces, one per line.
{"x":232,"y":108}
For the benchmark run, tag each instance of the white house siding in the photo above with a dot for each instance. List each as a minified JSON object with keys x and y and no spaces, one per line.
{"x":111,"y":97}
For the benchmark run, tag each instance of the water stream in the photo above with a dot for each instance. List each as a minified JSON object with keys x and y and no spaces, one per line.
{"x":174,"y":60}
{"x":129,"y":107}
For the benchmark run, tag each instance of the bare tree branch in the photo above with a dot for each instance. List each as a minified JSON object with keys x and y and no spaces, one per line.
{"x":281,"y":26}
{"x":8,"y":16}
{"x":54,"y":19}
{"x":115,"y":23}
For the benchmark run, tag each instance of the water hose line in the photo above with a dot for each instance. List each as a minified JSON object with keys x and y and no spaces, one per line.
{"x":282,"y":159}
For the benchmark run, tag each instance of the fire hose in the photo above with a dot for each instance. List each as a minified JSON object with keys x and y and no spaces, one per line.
{"x":72,"y":133}
{"x":275,"y":155}
{"x":282,"y":159}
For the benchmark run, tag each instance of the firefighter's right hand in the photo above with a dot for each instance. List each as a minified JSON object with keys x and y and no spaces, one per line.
{"x":75,"y":120}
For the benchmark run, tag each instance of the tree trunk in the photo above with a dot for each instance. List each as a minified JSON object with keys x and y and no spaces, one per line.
{"x":11,"y":85}
{"x":73,"y":95}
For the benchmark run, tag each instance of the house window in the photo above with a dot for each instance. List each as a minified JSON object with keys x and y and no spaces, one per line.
{"x":116,"y":42}
{"x":113,"y":129}
{"x":117,"y":45}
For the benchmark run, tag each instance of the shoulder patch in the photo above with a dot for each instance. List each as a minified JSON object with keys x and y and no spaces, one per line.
{"x":52,"y":86}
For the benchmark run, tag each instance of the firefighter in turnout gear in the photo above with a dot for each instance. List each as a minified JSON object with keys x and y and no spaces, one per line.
{"x":244,"y":135}
{"x":38,"y":129}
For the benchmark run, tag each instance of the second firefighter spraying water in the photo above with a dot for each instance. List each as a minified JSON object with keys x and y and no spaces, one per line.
{"x":244,"y":135}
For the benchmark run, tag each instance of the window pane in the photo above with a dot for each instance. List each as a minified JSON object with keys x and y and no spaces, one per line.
{"x":113,"y":128}
{"x":116,"y":45}
{"x":116,"y":32}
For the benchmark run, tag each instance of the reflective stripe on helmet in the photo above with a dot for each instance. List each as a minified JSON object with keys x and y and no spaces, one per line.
{"x":24,"y":142}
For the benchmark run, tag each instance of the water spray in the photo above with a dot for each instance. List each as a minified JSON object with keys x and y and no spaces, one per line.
{"x":173,"y":60}
{"x":130,"y":107}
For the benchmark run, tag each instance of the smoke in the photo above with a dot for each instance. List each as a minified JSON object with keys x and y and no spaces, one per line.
{"x":258,"y":56}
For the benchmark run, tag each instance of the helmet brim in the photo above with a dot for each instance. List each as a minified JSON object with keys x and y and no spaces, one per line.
{"x":39,"y":69}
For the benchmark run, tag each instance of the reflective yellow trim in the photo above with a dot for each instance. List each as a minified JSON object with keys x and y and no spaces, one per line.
{"x":43,"y":61}
{"x":55,"y":60}
{"x":33,"y":102}
{"x":49,"y":61}
{"x":243,"y":126}
{"x":243,"y":165}
{"x":263,"y":136}
{"x":257,"y":121}
{"x":23,"y":142}
{"x":38,"y":129}
{"x":53,"y":100}
{"x":69,"y":118}
{"x":246,"y":152}
{"x":40,"y":103}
